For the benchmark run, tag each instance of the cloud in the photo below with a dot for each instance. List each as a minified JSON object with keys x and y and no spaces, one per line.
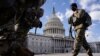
{"x":68,"y":13}
{"x":60,"y":15}
{"x":86,"y":3}
{"x":90,"y":37}
{"x":47,"y":17}
{"x":93,"y":26}
{"x":88,"y":33}
{"x":95,"y":15}
{"x":89,"y":5}
{"x":95,"y":7}
{"x":91,"y":34}
{"x":72,"y":1}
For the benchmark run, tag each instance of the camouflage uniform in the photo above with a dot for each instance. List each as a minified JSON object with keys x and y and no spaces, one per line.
{"x":77,"y":20}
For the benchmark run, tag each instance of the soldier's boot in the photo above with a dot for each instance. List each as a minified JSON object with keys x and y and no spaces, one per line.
{"x":89,"y":52}
{"x":75,"y":52}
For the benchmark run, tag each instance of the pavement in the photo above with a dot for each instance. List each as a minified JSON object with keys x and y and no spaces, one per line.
{"x":67,"y":54}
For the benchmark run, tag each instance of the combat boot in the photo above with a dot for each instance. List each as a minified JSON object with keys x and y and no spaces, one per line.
{"x":90,"y":54}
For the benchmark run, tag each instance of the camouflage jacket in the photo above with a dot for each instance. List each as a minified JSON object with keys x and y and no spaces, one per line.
{"x":78,"y":19}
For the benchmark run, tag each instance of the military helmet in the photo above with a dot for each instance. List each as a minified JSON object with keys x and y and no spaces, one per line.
{"x":73,"y":5}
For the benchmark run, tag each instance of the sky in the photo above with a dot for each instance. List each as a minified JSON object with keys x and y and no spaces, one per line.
{"x":63,"y":11}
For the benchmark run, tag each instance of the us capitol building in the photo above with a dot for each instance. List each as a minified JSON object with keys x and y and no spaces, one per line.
{"x":53,"y":39}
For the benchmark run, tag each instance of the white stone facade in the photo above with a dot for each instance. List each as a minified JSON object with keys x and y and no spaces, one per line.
{"x":47,"y":44}
{"x":95,"y":46}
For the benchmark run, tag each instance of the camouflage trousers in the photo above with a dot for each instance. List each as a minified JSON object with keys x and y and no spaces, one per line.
{"x":80,"y":40}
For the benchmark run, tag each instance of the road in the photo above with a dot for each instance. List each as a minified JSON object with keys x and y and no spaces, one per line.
{"x":67,"y":54}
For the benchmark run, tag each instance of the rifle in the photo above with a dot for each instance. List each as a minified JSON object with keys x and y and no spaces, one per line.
{"x":70,"y":32}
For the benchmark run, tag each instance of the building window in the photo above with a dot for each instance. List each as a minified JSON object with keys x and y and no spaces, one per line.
{"x":32,"y":38}
{"x":57,"y":30}
{"x":53,"y":30}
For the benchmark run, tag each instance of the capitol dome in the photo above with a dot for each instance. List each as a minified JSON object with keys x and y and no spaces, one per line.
{"x":54,"y":26}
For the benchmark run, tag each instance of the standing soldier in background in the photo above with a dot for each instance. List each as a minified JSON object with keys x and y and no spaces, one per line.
{"x":80,"y":20}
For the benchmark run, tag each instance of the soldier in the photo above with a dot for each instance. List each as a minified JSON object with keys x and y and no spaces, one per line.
{"x":80,"y":20}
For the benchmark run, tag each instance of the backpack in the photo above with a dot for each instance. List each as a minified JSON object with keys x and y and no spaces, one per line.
{"x":88,"y":20}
